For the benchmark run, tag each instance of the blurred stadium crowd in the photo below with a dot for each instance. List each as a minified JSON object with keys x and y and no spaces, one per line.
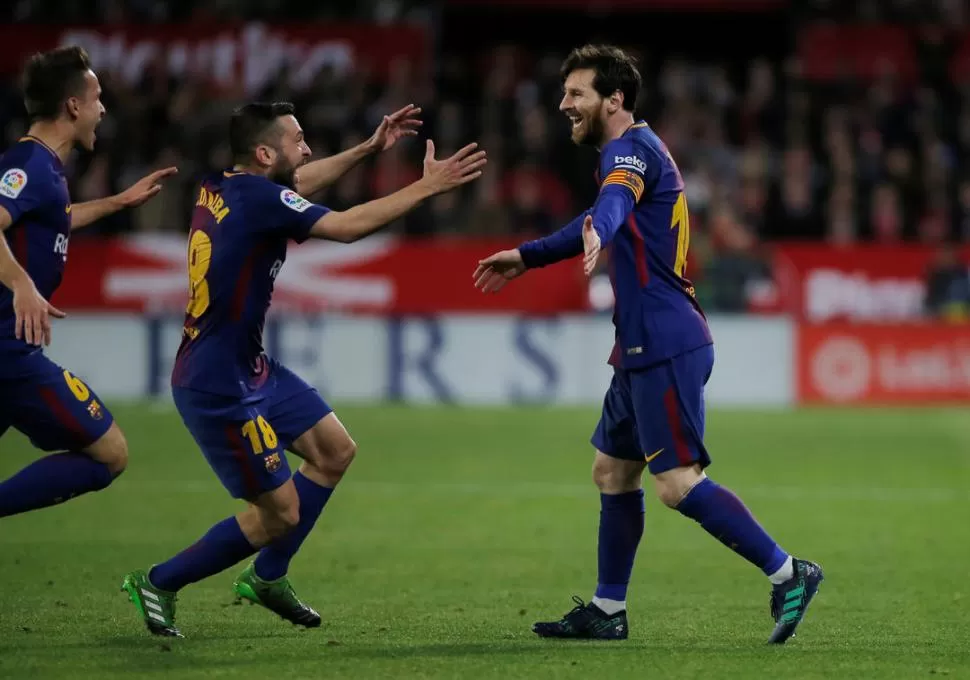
{"x":766,"y":153}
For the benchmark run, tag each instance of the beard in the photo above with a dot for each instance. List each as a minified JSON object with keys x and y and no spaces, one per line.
{"x":284,"y":173}
{"x":591,"y":132}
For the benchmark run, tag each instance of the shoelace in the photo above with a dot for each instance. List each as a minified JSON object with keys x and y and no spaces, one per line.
{"x":580,"y":608}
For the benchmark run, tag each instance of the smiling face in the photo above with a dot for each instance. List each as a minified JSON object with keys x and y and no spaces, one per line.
{"x":584,"y":106}
{"x":288,"y":153}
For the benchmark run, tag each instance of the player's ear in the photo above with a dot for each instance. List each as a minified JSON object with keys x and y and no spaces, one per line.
{"x":616,"y":101}
{"x":264,"y":154}
{"x":73,"y":107}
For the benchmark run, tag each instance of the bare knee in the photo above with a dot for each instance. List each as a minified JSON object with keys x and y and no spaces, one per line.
{"x":339,"y":459}
{"x":615,"y":475}
{"x":272,"y":515}
{"x":327,"y":451}
{"x":281,"y":521}
{"x":111,"y":450}
{"x":671,"y":486}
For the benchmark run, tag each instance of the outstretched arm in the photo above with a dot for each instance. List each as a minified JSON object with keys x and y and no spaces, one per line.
{"x":88,"y":212}
{"x":320,"y":174}
{"x":362,"y":220}
{"x":560,"y":245}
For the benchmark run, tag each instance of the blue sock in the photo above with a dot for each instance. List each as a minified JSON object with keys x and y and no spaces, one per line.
{"x":621,"y":527}
{"x":223,"y":546}
{"x":274,"y":559}
{"x":52,"y":480}
{"x":724,"y":516}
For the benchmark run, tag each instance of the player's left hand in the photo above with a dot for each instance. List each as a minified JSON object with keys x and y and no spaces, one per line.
{"x":145,"y":188}
{"x":401,"y":123}
{"x":591,"y":246}
{"x":496,"y":270}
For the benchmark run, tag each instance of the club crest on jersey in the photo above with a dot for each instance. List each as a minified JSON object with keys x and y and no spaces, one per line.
{"x":273,"y":462}
{"x":294,"y":201}
{"x":94,"y":410}
{"x":631,"y":162}
{"x":13,"y":182}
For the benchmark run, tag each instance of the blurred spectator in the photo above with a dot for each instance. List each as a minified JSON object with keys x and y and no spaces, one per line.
{"x":736,"y":278}
{"x":948,"y":287}
{"x":885,"y":159}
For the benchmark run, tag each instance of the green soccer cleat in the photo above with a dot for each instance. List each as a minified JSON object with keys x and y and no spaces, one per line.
{"x":278,"y":596}
{"x":156,"y":606}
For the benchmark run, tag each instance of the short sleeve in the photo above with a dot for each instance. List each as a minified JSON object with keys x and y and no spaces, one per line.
{"x":287,"y":212}
{"x":624,"y":164}
{"x":21,"y":188}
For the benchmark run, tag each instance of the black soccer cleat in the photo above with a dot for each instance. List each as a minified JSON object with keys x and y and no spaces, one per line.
{"x":790,"y":600}
{"x":587,"y":622}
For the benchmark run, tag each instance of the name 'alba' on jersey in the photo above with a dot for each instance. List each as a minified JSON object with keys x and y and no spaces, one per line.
{"x":240,"y":228}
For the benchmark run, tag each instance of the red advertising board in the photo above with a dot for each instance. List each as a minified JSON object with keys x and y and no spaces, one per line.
{"x":861,"y":283}
{"x":883,"y":364}
{"x":380,"y":274}
{"x":226,"y":55}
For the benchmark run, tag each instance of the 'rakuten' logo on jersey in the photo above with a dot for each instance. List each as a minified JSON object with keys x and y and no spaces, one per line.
{"x":631,"y":162}
{"x":274,"y":271}
{"x":60,"y":246}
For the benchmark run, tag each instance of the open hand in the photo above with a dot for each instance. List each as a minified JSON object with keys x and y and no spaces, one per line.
{"x":496,"y":270}
{"x":591,"y":246}
{"x":33,"y":315}
{"x":145,"y":188}
{"x":463,"y":167}
{"x":401,"y":123}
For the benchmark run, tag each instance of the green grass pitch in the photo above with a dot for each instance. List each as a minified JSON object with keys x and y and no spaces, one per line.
{"x":457,"y":528}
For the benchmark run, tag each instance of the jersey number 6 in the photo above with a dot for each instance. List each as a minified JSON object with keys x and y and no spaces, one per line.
{"x":77,"y":386}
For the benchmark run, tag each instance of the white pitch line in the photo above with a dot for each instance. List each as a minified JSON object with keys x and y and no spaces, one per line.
{"x":559,"y":490}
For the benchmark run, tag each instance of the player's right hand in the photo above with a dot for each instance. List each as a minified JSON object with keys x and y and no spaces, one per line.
{"x":496,"y":270}
{"x":33,"y":315}
{"x":463,"y":167}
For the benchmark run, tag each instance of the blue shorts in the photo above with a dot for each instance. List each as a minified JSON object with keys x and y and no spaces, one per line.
{"x":55,"y":409}
{"x":245,"y":439}
{"x":656,"y":415}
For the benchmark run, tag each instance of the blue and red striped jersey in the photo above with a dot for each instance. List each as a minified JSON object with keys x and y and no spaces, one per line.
{"x":241,"y":225}
{"x":642,"y":219}
{"x":34,"y":191}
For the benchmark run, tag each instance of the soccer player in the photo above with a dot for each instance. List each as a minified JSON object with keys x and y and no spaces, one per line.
{"x":244,"y":409}
{"x":50,"y":405}
{"x":653,"y":412}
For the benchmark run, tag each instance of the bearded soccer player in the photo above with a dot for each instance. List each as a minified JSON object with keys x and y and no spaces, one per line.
{"x":53,"y":407}
{"x":653,"y":412}
{"x":244,"y":409}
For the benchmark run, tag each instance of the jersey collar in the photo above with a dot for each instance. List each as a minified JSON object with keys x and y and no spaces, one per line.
{"x":35,"y":140}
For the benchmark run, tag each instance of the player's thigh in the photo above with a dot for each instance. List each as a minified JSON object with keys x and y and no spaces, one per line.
{"x":616,"y":433}
{"x":302,"y":419}
{"x":669,"y":404}
{"x":237,"y":440}
{"x":55,"y":409}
